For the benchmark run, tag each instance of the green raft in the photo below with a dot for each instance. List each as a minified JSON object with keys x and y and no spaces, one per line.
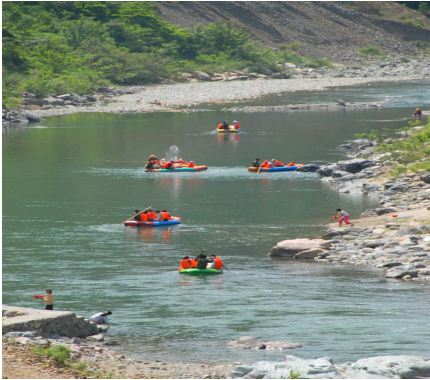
{"x":199,"y":272}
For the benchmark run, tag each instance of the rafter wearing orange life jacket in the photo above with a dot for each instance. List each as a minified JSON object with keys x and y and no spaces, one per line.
{"x":236,"y":125}
{"x":186,"y":263}
{"x":182,"y":162}
{"x":291,"y":164}
{"x":193,"y":263}
{"x":266,"y":164}
{"x":152,"y":215}
{"x":163,"y":216}
{"x":218,"y":262}
{"x":144,"y":216}
{"x":167,"y":165}
{"x":220,"y":126}
{"x":277,"y":163}
{"x":191,"y":164}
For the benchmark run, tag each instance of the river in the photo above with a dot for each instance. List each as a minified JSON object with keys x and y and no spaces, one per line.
{"x":70,"y":180}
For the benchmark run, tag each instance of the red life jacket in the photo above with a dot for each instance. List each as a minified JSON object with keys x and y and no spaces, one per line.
{"x":191,"y":165}
{"x":152,"y":215}
{"x":186,"y":263}
{"x":193,"y":263}
{"x":237,"y":126}
{"x":144,"y":217}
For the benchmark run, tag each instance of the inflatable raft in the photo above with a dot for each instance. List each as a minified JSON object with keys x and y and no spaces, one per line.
{"x":199,"y":168}
{"x":199,"y":272}
{"x":276,"y":169}
{"x":231,"y":129}
{"x":140,"y":223}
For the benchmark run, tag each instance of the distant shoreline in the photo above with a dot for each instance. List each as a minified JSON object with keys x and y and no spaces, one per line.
{"x":184,"y":96}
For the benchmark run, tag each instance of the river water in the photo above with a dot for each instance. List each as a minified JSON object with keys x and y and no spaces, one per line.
{"x":69,"y":181}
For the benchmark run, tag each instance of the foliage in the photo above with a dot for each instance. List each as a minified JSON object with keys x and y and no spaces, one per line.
{"x":370,"y":50}
{"x":63,"y":46}
{"x":59,"y":354}
{"x":409,"y":149}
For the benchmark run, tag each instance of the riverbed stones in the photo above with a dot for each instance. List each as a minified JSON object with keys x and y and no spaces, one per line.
{"x":379,"y":367}
{"x":309,"y":254}
{"x":355,"y":165}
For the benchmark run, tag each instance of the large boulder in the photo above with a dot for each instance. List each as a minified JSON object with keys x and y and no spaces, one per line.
{"x":200,"y":75}
{"x":309,"y":254}
{"x":355,"y":165}
{"x":249,"y":342}
{"x":288,"y":248}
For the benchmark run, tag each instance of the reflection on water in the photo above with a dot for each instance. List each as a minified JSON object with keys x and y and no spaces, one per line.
{"x":231,"y":139}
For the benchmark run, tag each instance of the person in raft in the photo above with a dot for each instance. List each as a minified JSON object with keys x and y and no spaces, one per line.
{"x":417,"y":114}
{"x":256,"y":163}
{"x":276,"y":163}
{"x":225,"y":125}
{"x":191,"y":164}
{"x":216,"y":263}
{"x":163,"y":216}
{"x":49,"y":300}
{"x":236,"y":124}
{"x":101,"y":318}
{"x":152,"y":215}
{"x":343,"y":217}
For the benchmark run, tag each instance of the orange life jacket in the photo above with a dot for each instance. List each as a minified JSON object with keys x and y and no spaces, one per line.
{"x":278,"y":163}
{"x":193,"y":263}
{"x":167,"y":215}
{"x":167,"y":165}
{"x":218,"y":262}
{"x":237,"y":125}
{"x":152,"y":215}
{"x":291,"y":164}
{"x":264,"y":165}
{"x":144,"y":217}
{"x":191,"y":165}
{"x":220,"y":126}
{"x":186,"y":263}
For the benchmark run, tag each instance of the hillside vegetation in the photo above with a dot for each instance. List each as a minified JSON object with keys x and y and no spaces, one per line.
{"x":59,"y":47}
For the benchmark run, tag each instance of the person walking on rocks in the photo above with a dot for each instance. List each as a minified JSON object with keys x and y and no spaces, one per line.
{"x":138,"y":101}
{"x":343,"y":217}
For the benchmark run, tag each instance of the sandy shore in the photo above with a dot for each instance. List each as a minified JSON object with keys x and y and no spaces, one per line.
{"x":188,"y":95}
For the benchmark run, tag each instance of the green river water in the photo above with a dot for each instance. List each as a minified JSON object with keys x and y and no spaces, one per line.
{"x":67,"y":183}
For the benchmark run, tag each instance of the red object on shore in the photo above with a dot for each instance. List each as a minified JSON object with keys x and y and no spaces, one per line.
{"x":394,"y":216}
{"x":38,"y":296}
{"x":334,"y":217}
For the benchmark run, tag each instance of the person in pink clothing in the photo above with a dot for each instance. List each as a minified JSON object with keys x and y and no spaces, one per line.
{"x":343,"y":217}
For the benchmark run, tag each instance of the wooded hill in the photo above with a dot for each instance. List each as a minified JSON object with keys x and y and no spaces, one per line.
{"x":64,"y":46}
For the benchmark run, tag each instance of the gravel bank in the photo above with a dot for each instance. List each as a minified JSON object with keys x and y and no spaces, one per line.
{"x":188,"y":95}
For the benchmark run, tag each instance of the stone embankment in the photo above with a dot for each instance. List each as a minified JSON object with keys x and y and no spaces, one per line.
{"x":379,"y":367}
{"x":47,"y":322}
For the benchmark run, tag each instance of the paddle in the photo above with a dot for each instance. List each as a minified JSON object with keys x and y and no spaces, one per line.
{"x":258,"y":171}
{"x":139,"y":162}
{"x":201,"y":249}
{"x":132,"y":217}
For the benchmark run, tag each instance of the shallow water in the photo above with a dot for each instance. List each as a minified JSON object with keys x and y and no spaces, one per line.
{"x":68,"y":184}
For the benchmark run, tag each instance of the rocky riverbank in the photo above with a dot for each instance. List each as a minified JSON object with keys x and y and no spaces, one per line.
{"x":226,"y":87}
{"x":91,"y":360}
{"x":394,"y":237}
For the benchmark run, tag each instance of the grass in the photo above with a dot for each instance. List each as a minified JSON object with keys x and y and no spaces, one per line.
{"x":59,"y":354}
{"x":374,"y":51}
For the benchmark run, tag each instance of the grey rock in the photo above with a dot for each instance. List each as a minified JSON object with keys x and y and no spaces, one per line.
{"x":311,"y":168}
{"x":355,"y":165}
{"x":425,"y":177}
{"x":391,"y":265}
{"x":368,"y":214}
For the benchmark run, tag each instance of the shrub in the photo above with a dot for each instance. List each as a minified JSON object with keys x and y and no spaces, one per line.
{"x":370,"y":50}
{"x":59,"y":354}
